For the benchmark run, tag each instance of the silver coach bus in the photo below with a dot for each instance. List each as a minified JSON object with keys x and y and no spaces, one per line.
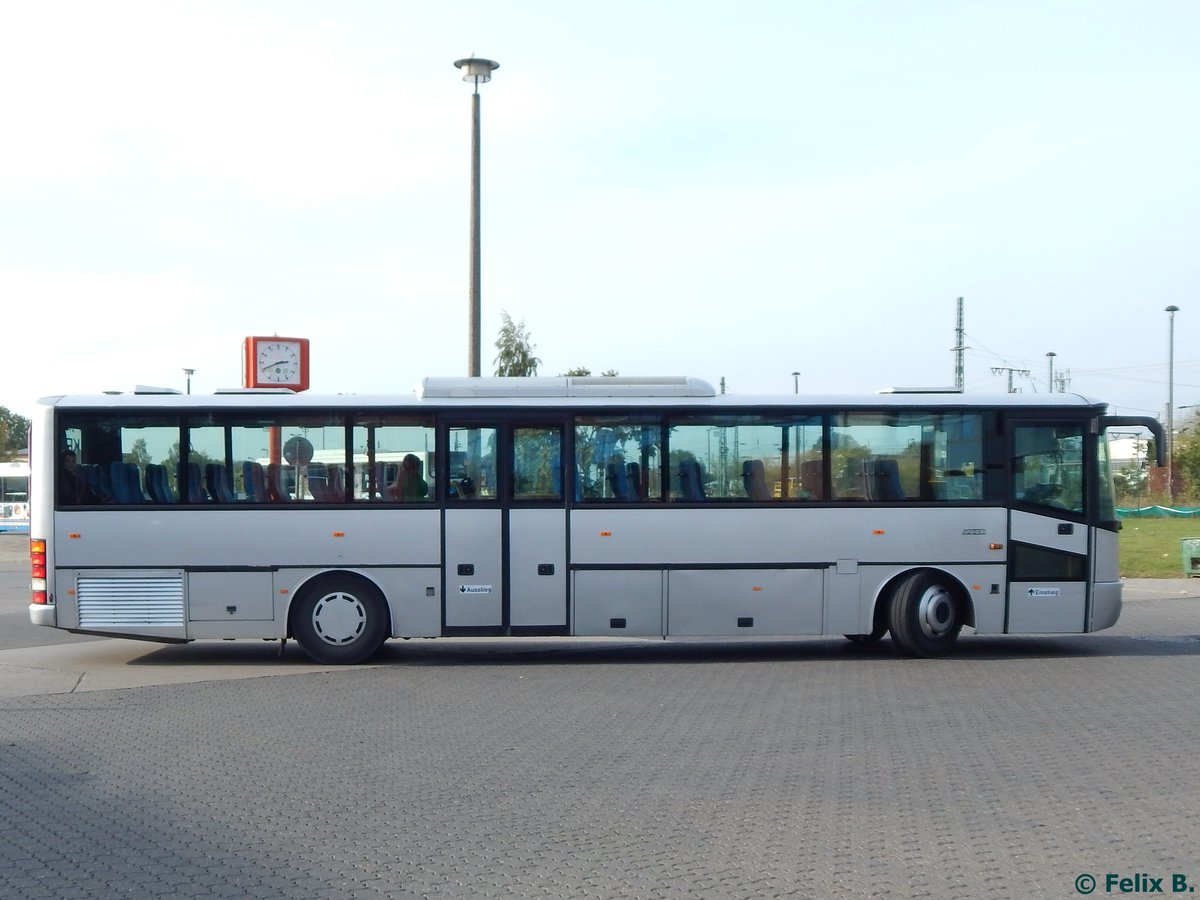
{"x":633,"y":507}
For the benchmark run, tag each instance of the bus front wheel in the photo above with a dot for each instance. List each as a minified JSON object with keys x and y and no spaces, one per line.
{"x":340,"y":620}
{"x":870,"y":638}
{"x":925,"y":616}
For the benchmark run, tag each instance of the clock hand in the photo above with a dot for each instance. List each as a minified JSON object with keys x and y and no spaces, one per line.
{"x":272,"y":365}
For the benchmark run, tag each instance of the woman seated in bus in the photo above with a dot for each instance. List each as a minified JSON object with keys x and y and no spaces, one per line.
{"x":410,"y":486}
{"x":72,"y":485}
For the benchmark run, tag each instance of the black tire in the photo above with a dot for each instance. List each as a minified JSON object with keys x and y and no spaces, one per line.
{"x":340,"y":619}
{"x":925,"y":615}
{"x":873,"y":638}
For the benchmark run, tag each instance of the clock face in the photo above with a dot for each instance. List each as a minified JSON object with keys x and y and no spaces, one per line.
{"x":278,"y":362}
{"x":275,"y":362}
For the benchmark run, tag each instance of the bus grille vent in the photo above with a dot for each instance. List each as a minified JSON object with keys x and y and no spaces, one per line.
{"x":115,"y":602}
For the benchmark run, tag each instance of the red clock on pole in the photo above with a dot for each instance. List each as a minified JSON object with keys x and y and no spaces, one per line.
{"x":275,"y":362}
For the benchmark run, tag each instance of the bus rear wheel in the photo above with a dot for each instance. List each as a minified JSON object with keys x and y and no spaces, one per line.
{"x":340,"y":620}
{"x":925,"y":615}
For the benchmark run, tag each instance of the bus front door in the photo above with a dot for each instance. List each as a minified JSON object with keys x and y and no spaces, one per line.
{"x":505,"y":530}
{"x":1048,"y":535}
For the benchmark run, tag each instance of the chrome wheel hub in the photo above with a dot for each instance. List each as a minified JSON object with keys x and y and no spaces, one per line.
{"x":935,"y":612}
{"x":339,"y":618}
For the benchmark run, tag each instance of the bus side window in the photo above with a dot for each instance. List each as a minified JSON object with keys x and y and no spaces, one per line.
{"x":617,"y":459}
{"x":537,"y":463}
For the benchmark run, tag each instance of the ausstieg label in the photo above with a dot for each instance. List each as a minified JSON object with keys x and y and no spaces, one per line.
{"x":474,"y":588}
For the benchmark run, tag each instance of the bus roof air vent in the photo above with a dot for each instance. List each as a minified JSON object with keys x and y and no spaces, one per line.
{"x":261,"y":390}
{"x":636,"y":386}
{"x":566,"y":386}
{"x":920,"y":390}
{"x":151,"y":389}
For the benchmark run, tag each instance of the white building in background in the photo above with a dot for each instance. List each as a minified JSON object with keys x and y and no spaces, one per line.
{"x":1124,"y":451}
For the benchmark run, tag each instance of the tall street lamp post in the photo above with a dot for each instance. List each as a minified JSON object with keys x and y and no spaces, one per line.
{"x":478,"y":71}
{"x":1050,"y":356}
{"x":1171,"y":310}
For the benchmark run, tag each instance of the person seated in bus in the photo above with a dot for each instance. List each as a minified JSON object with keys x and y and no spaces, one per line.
{"x":69,"y":485}
{"x":410,"y":486}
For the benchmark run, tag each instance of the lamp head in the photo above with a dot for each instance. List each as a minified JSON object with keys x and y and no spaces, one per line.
{"x":477,"y":70}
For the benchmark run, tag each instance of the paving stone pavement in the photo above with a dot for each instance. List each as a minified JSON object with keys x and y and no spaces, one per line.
{"x":630,"y":769}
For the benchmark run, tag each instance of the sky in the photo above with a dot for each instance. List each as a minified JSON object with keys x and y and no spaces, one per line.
{"x":733,"y":191}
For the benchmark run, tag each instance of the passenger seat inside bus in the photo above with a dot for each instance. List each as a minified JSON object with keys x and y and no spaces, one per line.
{"x":812,"y":479}
{"x":219,"y":486}
{"x":156,"y":484}
{"x":882,"y":479}
{"x":618,"y":479}
{"x":98,"y":482}
{"x":635,"y":480}
{"x":195,"y":484}
{"x":691,"y":480}
{"x":327,"y":484}
{"x":276,"y":492}
{"x":126,"y":482}
{"x":254,"y":481}
{"x":316,"y":480}
{"x":337,"y":484}
{"x":754,"y":479}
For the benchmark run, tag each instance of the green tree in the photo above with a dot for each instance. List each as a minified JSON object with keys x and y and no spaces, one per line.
{"x":584,"y":372}
{"x":138,"y":454}
{"x":515,"y":358}
{"x":14,"y":433}
{"x":1187,"y":465}
{"x":846,"y":458}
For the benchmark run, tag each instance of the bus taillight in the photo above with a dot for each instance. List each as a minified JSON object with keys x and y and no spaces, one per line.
{"x":37,"y":568}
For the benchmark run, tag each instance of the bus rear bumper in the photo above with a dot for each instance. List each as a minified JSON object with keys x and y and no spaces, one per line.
{"x":42,"y":614}
{"x":1106,"y":604}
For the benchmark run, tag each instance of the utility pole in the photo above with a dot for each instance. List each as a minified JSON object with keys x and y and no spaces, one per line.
{"x":959,"y":347}
{"x":1000,"y":370}
{"x":1171,"y":310}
